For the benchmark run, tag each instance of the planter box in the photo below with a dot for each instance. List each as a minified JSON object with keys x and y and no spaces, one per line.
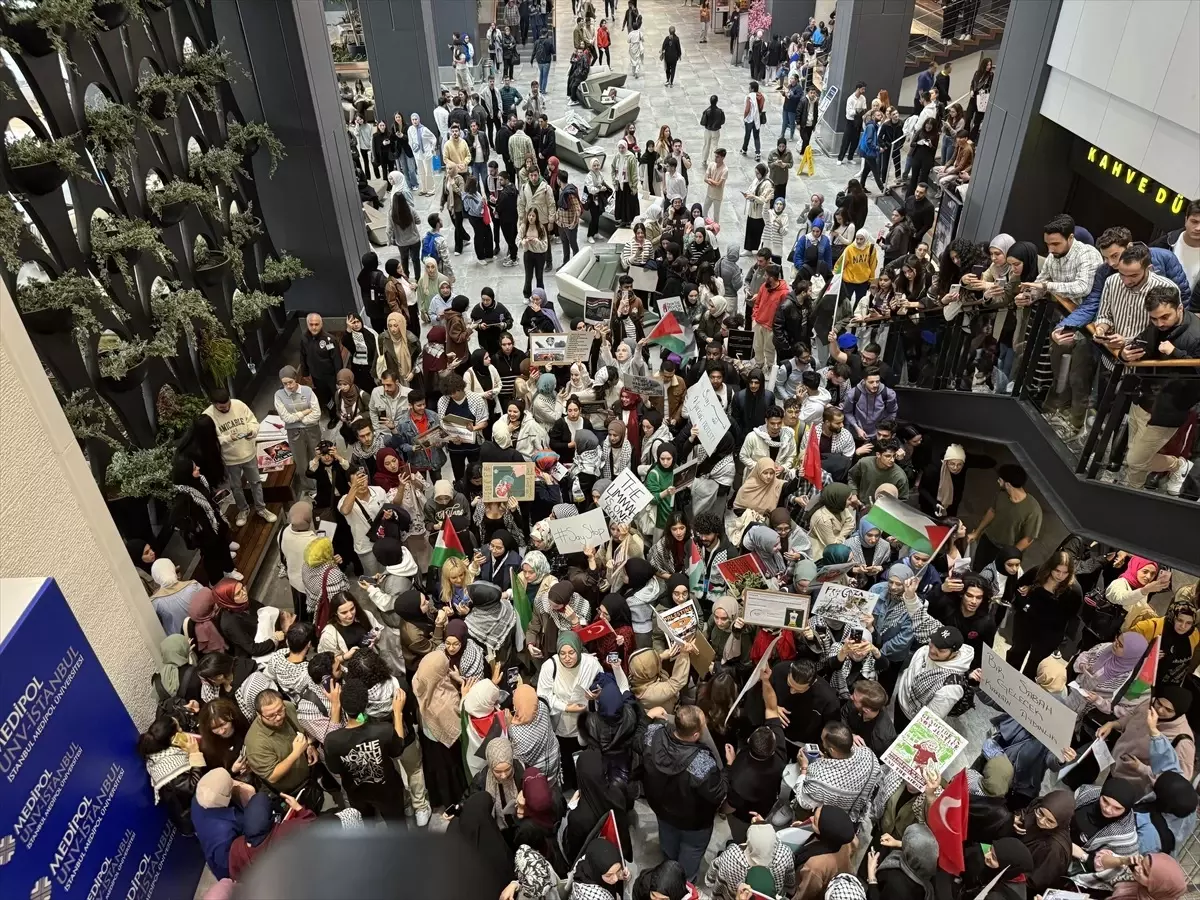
{"x":39,"y":179}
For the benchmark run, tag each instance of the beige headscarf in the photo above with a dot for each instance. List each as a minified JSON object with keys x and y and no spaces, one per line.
{"x":760,"y":492}
{"x":945,"y":493}
{"x":438,"y":698}
{"x":1052,"y":674}
{"x":733,"y":644}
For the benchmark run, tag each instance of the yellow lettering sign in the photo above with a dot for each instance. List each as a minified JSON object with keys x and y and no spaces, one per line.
{"x":1177,"y":204}
{"x":1160,"y":195}
{"x":1142,"y":185}
{"x":1116,"y":169}
{"x":1091,"y":154}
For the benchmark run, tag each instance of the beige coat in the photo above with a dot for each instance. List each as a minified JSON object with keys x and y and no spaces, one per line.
{"x":659,"y":689}
{"x":541,"y":199}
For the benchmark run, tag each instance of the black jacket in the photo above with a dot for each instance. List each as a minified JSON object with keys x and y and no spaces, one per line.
{"x":545,"y":143}
{"x":713,"y":118}
{"x":612,"y":738}
{"x":382,"y":146}
{"x":878,"y":734}
{"x":320,"y":356}
{"x":920,"y":214}
{"x":976,"y":630}
{"x":496,"y":314}
{"x":502,"y":136}
{"x":506,"y":206}
{"x":543,"y":51}
{"x":238,"y":628}
{"x":671,"y":48}
{"x":1169,"y":399}
{"x":460,"y":117}
{"x":802,"y":113}
{"x":684,"y":784}
{"x":791,"y":327}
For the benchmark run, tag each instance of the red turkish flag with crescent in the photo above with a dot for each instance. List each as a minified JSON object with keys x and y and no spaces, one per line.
{"x":948,"y":821}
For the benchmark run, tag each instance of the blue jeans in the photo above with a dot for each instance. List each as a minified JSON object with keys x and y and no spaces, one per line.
{"x":789,"y":121}
{"x":543,"y":76}
{"x":480,"y":170}
{"x":408,"y":166}
{"x":947,"y":149}
{"x":685,"y":847}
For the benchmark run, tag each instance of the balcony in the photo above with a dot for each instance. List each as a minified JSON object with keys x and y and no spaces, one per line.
{"x":927,"y":43}
{"x":1082,"y":475}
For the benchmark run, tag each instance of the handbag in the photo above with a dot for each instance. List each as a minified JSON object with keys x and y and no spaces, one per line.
{"x":981,"y":100}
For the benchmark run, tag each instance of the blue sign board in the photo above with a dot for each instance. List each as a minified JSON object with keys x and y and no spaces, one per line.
{"x":77,"y":815}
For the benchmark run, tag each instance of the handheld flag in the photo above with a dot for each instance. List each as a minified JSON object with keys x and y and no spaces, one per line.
{"x":675,"y":335}
{"x":812,"y":460}
{"x":594,"y":631}
{"x":948,"y":822}
{"x":520,"y":602}
{"x":908,"y":524}
{"x":448,"y":545}
{"x":695,"y":571}
{"x":1143,"y":680}
{"x":606,"y":829}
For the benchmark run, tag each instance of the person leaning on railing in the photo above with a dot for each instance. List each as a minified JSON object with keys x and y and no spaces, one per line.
{"x":1166,"y":393}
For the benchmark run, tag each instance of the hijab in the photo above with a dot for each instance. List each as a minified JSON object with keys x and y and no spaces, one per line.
{"x":1109,"y":664}
{"x":537,"y":561}
{"x":481,"y":700}
{"x":833,"y":831}
{"x":504,"y":793}
{"x":598,"y":858}
{"x":408,"y":606}
{"x":997,"y":776}
{"x":438,"y":698}
{"x":1135,"y":565}
{"x":1179,"y":697}
{"x":476,"y":827}
{"x":835,"y":496}
{"x":638,"y":573}
{"x":618,"y":611}
{"x":945,"y":491}
{"x":761,"y":842}
{"x":1052,"y":675}
{"x":482,"y":373}
{"x":917,"y":857}
{"x":1173,"y":796}
{"x":1003,"y":243}
{"x":1061,"y":805}
{"x":256,"y":818}
{"x":389,"y":481}
{"x":547,"y":385}
{"x":733,"y":643}
{"x":176,"y":653}
{"x":1089,"y":819}
{"x":539,"y":799}
{"x":765,"y":543}
{"x":1166,"y":882}
{"x":525,"y":704}
{"x":1028,"y":256}
{"x":202,"y":609}
{"x":760,"y":490}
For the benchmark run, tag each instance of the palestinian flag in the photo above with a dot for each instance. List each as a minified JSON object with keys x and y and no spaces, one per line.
{"x":908,"y":524}
{"x":1143,"y":680}
{"x":520,"y":601}
{"x":675,"y":335}
{"x":695,"y":571}
{"x":448,"y":545}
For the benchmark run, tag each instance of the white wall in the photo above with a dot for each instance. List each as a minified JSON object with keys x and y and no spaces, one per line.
{"x":1126,"y":77}
{"x":53,"y":523}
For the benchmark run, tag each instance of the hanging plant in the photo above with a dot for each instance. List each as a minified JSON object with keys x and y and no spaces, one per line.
{"x":118,"y":357}
{"x":112,"y":129}
{"x":70,"y":300}
{"x":177,"y":313}
{"x":142,"y":473}
{"x":751,"y":581}
{"x":207,"y":70}
{"x":13,"y":228}
{"x":89,"y":418}
{"x":40,"y":166}
{"x":176,"y":411}
{"x":220,"y":357}
{"x":170,"y":202}
{"x":244,"y":227}
{"x":158,"y":94}
{"x":278,"y":274}
{"x":214,"y":166}
{"x":246,"y":139}
{"x":41,"y":27}
{"x":249,"y":307}
{"x":237,"y":263}
{"x":117,"y":242}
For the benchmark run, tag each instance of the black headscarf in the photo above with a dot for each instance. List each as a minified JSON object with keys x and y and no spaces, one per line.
{"x":505,"y":537}
{"x":836,"y":830}
{"x":665,"y":599}
{"x":1179,"y":697}
{"x":724,"y":448}
{"x":668,"y":447}
{"x":1173,"y":796}
{"x":598,"y":858}
{"x":597,"y":796}
{"x":1176,"y":647}
{"x":618,"y":610}
{"x":482,"y":372}
{"x":638,"y":573}
{"x":491,"y":858}
{"x":408,"y":606}
{"x":1028,"y":255}
{"x":1089,"y":819}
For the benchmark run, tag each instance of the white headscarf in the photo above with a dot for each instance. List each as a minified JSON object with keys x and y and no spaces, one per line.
{"x":862,"y":238}
{"x":163,"y":572}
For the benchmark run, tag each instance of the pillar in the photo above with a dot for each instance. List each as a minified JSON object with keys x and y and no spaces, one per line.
{"x":1017,"y":147}
{"x":402,"y":38}
{"x":311,"y":205}
{"x":54,"y":523}
{"x":869,"y":44}
{"x":452,"y":17}
{"x":790,"y":17}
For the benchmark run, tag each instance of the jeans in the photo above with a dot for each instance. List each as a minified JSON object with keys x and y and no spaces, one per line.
{"x":535,"y":264}
{"x":751,"y":128}
{"x":1079,"y":378}
{"x":871,"y":165}
{"x":947,"y":148}
{"x":543,"y":76}
{"x":789,"y":121}
{"x":685,"y":847}
{"x":408,"y":166}
{"x":570,"y":242}
{"x":249,"y":471}
{"x":604,"y":55}
{"x":410,"y":260}
{"x":479,"y":170}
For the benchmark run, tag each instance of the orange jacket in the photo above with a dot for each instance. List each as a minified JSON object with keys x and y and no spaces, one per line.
{"x":766,"y":302}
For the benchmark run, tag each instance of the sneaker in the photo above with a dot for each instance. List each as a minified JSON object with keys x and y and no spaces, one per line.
{"x":509,"y":263}
{"x":458,"y":253}
{"x":1176,"y":479}
{"x":242,"y":516}
{"x":757,"y":157}
{"x":423,"y":816}
{"x":235,"y":575}
{"x":591,"y":240}
{"x":840,"y":163}
{"x":234,"y":546}
{"x":266,"y":515}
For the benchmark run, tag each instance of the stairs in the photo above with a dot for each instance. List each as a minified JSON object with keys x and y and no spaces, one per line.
{"x":925,"y":44}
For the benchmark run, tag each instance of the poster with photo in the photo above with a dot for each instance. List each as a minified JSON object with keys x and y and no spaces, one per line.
{"x":273,"y":457}
{"x":733,"y":569}
{"x":839,"y":603}
{"x":775,"y":609}
{"x":458,"y":427}
{"x":926,"y":744}
{"x":645,"y":385}
{"x":431,"y":438}
{"x":597,"y":308}
{"x":507,"y":481}
{"x":684,"y":475}
{"x":548,"y":349}
{"x":681,"y":620}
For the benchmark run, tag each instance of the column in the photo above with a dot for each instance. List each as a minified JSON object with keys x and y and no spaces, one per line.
{"x":452,"y":17}
{"x":1016,"y":145}
{"x":870,"y":43}
{"x":311,"y":205}
{"x":402,"y":39}
{"x":790,"y":17}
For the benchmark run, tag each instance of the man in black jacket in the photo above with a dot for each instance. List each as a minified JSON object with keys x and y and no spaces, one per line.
{"x":865,"y":713}
{"x":806,"y":116}
{"x":685,"y":786}
{"x":1163,"y":402}
{"x":962,"y":603}
{"x":919,"y":210}
{"x":712,"y":120}
{"x":320,"y":359}
{"x":544,"y":142}
{"x":791,"y":324}
{"x":459,"y":115}
{"x":506,"y":212}
{"x":503,"y":133}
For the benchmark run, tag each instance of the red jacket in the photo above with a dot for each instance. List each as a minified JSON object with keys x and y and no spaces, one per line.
{"x":602,"y":37}
{"x":766,"y":302}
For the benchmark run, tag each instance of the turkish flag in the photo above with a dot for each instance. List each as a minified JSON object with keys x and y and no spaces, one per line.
{"x":947,"y":820}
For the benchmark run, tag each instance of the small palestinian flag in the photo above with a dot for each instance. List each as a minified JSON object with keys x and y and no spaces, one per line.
{"x":448,"y":545}
{"x":520,"y":601}
{"x":908,"y":524}
{"x":1143,"y":680}
{"x":695,"y":570}
{"x":675,"y":335}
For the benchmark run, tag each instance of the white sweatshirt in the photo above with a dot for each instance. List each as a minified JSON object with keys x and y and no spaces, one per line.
{"x":236,"y":432}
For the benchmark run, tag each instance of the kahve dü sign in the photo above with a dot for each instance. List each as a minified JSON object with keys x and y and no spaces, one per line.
{"x":576,"y":534}
{"x":1041,"y":714}
{"x":704,"y":409}
{"x":625,"y":498}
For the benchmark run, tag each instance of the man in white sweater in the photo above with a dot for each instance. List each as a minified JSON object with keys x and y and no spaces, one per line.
{"x":237,"y":430}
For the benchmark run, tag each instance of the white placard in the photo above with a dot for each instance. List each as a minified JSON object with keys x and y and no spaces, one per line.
{"x":755,"y":676}
{"x":840,"y":603}
{"x":705,"y":412}
{"x":574,"y":535}
{"x":625,"y":498}
{"x":1041,"y":714}
{"x":644,"y":279}
{"x":775,"y":609}
{"x":670,"y":304}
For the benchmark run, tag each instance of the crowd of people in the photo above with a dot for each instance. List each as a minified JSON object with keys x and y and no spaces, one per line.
{"x":443,"y":657}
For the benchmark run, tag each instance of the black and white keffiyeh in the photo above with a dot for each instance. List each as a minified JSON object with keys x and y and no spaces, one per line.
{"x":731,"y":866}
{"x":534,"y":873}
{"x":581,"y":608}
{"x":201,"y":501}
{"x":845,"y":887}
{"x":470,"y":661}
{"x":165,"y":766}
{"x":491,"y":625}
{"x":845,"y":783}
{"x":535,"y":745}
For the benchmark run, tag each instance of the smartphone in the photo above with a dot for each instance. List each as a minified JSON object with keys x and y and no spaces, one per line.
{"x":512,"y":676}
{"x":978,"y":269}
{"x":613,"y":659}
{"x":812,"y":751}
{"x":854,"y":634}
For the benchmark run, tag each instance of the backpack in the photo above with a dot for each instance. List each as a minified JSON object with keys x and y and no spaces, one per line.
{"x":429,"y":246}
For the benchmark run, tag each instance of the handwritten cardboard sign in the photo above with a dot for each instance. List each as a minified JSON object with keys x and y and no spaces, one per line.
{"x":576,"y":534}
{"x":1041,"y":714}
{"x":625,"y":498}
{"x":707,"y":414}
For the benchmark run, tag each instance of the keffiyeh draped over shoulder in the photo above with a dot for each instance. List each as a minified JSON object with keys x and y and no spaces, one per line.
{"x":492,"y":620}
{"x":845,"y":887}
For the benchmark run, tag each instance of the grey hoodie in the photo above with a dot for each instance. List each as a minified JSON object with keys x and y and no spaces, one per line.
{"x":730,"y":273}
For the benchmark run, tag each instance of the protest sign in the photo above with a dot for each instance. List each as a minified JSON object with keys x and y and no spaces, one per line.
{"x":457,"y":427}
{"x":644,"y":385}
{"x":680,"y":621}
{"x":740,"y":343}
{"x":774,"y":609}
{"x":926,"y":742}
{"x":579,"y":345}
{"x":644,"y":279}
{"x":733,"y":569}
{"x":839,"y":603}
{"x":548,"y":349}
{"x":684,"y":475}
{"x":755,"y":676}
{"x":431,"y":438}
{"x":625,"y":498}
{"x":707,"y":414}
{"x":507,"y":481}
{"x":273,"y":457}
{"x":1041,"y":714}
{"x":597,"y":308}
{"x":670,"y":304}
{"x":574,"y":535}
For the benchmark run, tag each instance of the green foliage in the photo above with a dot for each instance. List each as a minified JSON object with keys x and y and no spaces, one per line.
{"x":117,"y":362}
{"x":237,"y":262}
{"x":142,"y":473}
{"x":177,"y":411}
{"x":249,"y":307}
{"x":176,"y":312}
{"x":31,"y":150}
{"x":241,"y":136}
{"x":751,"y":581}
{"x":89,"y":418}
{"x":220,"y":357}
{"x":170,"y":85}
{"x":55,"y":16}
{"x":114,"y":236}
{"x":112,"y":129}
{"x":284,"y":268}
{"x":12,"y":229}
{"x":207,"y":70}
{"x":244,"y":227}
{"x":179,"y":191}
{"x":217,"y":165}
{"x":69,"y":291}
